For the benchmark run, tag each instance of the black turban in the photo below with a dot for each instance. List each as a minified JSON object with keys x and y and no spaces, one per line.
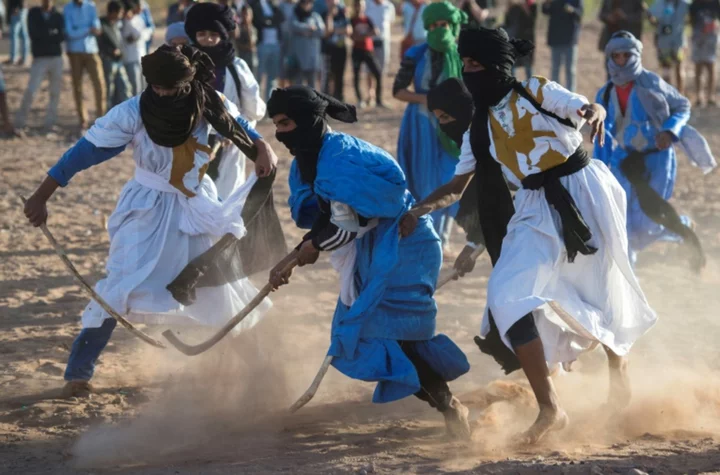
{"x":309,"y":109}
{"x":493,"y":48}
{"x":302,"y":102}
{"x":210,"y":17}
{"x":170,"y":120}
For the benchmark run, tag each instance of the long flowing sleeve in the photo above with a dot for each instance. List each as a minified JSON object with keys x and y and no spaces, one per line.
{"x":253,"y":107}
{"x":81,"y":156}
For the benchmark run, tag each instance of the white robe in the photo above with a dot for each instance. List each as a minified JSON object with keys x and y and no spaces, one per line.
{"x":156,"y":230}
{"x":231,"y":171}
{"x":599,"y":298}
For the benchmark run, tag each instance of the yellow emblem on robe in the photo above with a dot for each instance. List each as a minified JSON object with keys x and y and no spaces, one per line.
{"x":184,"y":161}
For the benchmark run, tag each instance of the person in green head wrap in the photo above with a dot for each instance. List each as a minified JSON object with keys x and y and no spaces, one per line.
{"x":425,"y":153}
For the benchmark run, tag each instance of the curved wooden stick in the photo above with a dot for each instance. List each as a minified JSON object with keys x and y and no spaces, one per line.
{"x":192,"y":350}
{"x":91,"y":292}
{"x":310,"y":393}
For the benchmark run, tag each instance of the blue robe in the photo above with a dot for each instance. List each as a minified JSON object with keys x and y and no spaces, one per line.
{"x":639,"y":134}
{"x":426,"y":164}
{"x":395,"y":278}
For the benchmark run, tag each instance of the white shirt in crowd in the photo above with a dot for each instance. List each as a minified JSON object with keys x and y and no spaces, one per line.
{"x":382,"y":14}
{"x":135,"y":28}
{"x":417,"y":27}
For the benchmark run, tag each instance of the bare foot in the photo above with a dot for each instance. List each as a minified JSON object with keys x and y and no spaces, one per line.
{"x":456,"y":420}
{"x":549,"y":420}
{"x":620,"y":391}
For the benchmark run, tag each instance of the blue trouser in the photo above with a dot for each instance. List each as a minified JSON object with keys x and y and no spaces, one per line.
{"x":86,"y":349}
{"x":269,"y":62}
{"x":567,"y":55}
{"x":19,"y":33}
{"x":117,"y":82}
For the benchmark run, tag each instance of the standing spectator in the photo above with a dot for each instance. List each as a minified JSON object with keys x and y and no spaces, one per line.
{"x":669,"y":17}
{"x":362,"y":53}
{"x":135,"y":35}
{"x":18,"y":32}
{"x":3,"y":18}
{"x":6,"y":125}
{"x":45,"y":26}
{"x":563,"y":35}
{"x":621,"y":15}
{"x":382,"y":15}
{"x":413,"y":29}
{"x":82,"y":25}
{"x":146,"y":15}
{"x":111,"y":46}
{"x":175,"y":34}
{"x":308,"y":30}
{"x":246,"y":38}
{"x":704,"y":16}
{"x":287,"y":8}
{"x":177,"y":11}
{"x":478,"y":12}
{"x":335,"y":49}
{"x":520,"y":23}
{"x":268,"y":20}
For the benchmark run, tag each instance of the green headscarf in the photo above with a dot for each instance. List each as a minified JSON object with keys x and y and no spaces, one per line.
{"x":444,"y":40}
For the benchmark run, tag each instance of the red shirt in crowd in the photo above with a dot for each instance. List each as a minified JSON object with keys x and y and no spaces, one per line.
{"x":623,"y":94}
{"x":364,"y":27}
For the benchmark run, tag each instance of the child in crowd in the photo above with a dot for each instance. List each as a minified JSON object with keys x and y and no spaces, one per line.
{"x":704,"y":15}
{"x":363,"y":52}
{"x":669,"y":17}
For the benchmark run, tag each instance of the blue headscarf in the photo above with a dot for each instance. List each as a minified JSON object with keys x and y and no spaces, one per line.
{"x":624,"y":42}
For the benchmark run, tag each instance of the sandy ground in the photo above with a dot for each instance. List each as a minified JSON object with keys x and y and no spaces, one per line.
{"x":158,"y":412}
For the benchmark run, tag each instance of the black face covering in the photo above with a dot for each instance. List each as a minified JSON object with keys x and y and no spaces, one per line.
{"x":222,"y":54}
{"x":309,"y":109}
{"x":305,"y":142}
{"x":488,"y":87}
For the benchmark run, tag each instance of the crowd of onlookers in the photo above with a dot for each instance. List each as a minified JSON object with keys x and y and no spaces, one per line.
{"x":312,"y":41}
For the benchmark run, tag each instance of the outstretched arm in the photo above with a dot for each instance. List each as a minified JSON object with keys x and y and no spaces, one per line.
{"x":441,"y":198}
{"x":81,"y":156}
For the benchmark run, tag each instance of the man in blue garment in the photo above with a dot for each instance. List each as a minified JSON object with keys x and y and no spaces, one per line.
{"x":646,"y":118}
{"x":351,"y":195}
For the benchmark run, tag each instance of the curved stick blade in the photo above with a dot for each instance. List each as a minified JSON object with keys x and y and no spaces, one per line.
{"x":310,"y":393}
{"x":193,"y":350}
{"x":91,"y":292}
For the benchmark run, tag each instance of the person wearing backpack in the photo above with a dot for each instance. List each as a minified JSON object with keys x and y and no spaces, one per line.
{"x":210,"y":27}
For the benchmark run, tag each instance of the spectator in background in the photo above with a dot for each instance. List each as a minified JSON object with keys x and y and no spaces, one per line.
{"x":111,"y":46}
{"x":307,"y":29}
{"x":382,"y":15}
{"x":175,"y":34}
{"x":621,"y":15}
{"x":46,"y":29}
{"x":520,"y":20}
{"x":287,"y":8}
{"x":18,"y":32}
{"x":3,"y":18}
{"x":363,"y":32}
{"x":563,"y":34}
{"x":82,"y":25}
{"x":413,"y":29}
{"x":135,"y":36}
{"x":704,"y":16}
{"x":337,"y":29}
{"x":176,"y":11}
{"x":268,"y":20}
{"x":146,"y":15}
{"x":246,"y":38}
{"x":669,"y":17}
{"x":478,"y":12}
{"x":5,"y":123}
